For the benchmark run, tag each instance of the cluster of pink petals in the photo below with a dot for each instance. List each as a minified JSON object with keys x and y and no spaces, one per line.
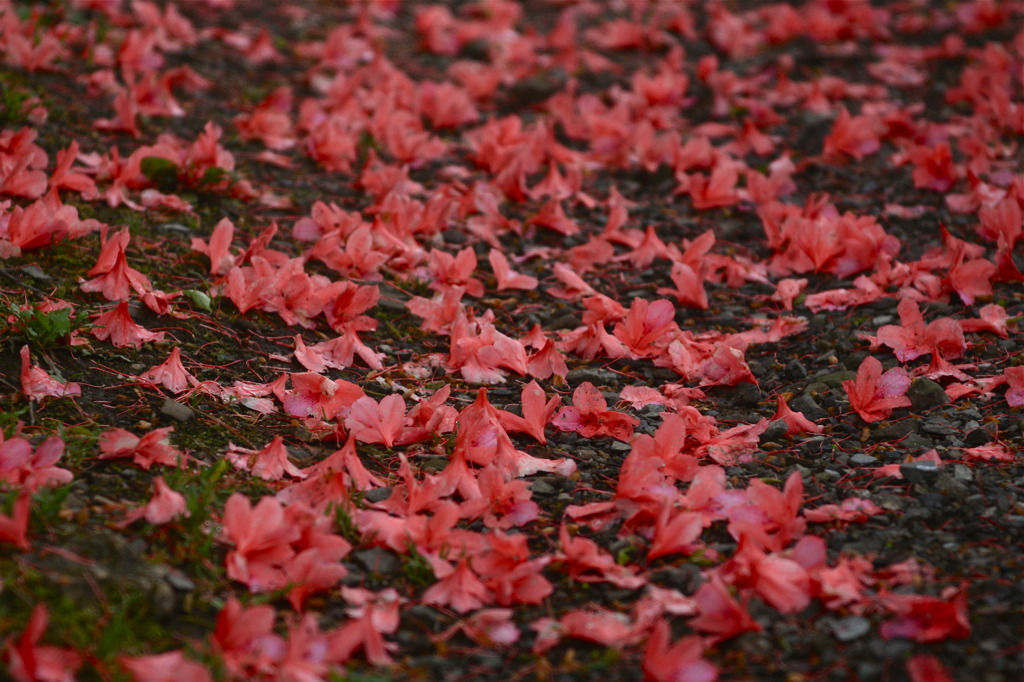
{"x":874,"y":394}
{"x":590,"y":417}
{"x":14,"y":528}
{"x":165,"y":506}
{"x":152,"y":448}
{"x":28,"y":468}
{"x":36,"y":383}
{"x":274,"y":546}
{"x":30,"y":661}
{"x":39,"y":224}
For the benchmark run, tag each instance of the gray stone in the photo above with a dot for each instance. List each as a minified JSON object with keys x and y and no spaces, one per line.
{"x":161,"y":599}
{"x":806,"y":404}
{"x":652,"y":410}
{"x":179,"y":581}
{"x":795,"y":369}
{"x":378,"y":560}
{"x":391,"y":305}
{"x":950,"y":486}
{"x":598,"y":377}
{"x":851,"y":628}
{"x":916,"y":441}
{"x":925,"y":394}
{"x":938,"y":426}
{"x":377,"y":494}
{"x":963,"y":473}
{"x":918,"y":512}
{"x":568,"y":320}
{"x":183,"y":230}
{"x":431,"y":465}
{"x":890,"y":502}
{"x":862,"y":460}
{"x":176,"y":410}
{"x":746,"y":394}
{"x":970,"y":413}
{"x":686,"y":578}
{"x":836,"y":379}
{"x":36,"y":273}
{"x":979,"y":436}
{"x":454,"y":236}
{"x":920,"y":473}
{"x":869,"y":670}
{"x":894,"y":430}
{"x":541,"y":487}
{"x":815,"y":388}
{"x":776,"y":430}
{"x":852,"y":361}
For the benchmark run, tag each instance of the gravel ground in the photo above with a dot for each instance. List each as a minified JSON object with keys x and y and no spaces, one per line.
{"x":938,"y":555}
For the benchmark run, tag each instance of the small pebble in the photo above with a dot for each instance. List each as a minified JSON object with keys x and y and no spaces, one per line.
{"x":851,"y":628}
{"x":920,"y":473}
{"x":176,"y":410}
{"x":926,"y":394}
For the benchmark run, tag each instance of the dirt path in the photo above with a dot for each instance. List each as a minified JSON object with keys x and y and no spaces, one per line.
{"x":511,"y":340}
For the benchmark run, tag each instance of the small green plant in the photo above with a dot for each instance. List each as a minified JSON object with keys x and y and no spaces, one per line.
{"x":44,"y":328}
{"x":343,"y":520}
{"x":169,"y":177}
{"x":700,"y":558}
{"x":201,"y":492}
{"x":161,"y":172}
{"x":602,"y":659}
{"x":626,"y":555}
{"x":417,"y":569}
{"x":10,"y":419}
{"x":47,"y":504}
{"x":79,"y":441}
{"x":367,"y":143}
{"x":13,"y":103}
{"x":119,"y":623}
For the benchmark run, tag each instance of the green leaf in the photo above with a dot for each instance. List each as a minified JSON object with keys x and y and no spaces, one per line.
{"x":13,"y":103}
{"x":161,"y":172}
{"x":213,"y":175}
{"x":199,"y":299}
{"x":44,"y":329}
